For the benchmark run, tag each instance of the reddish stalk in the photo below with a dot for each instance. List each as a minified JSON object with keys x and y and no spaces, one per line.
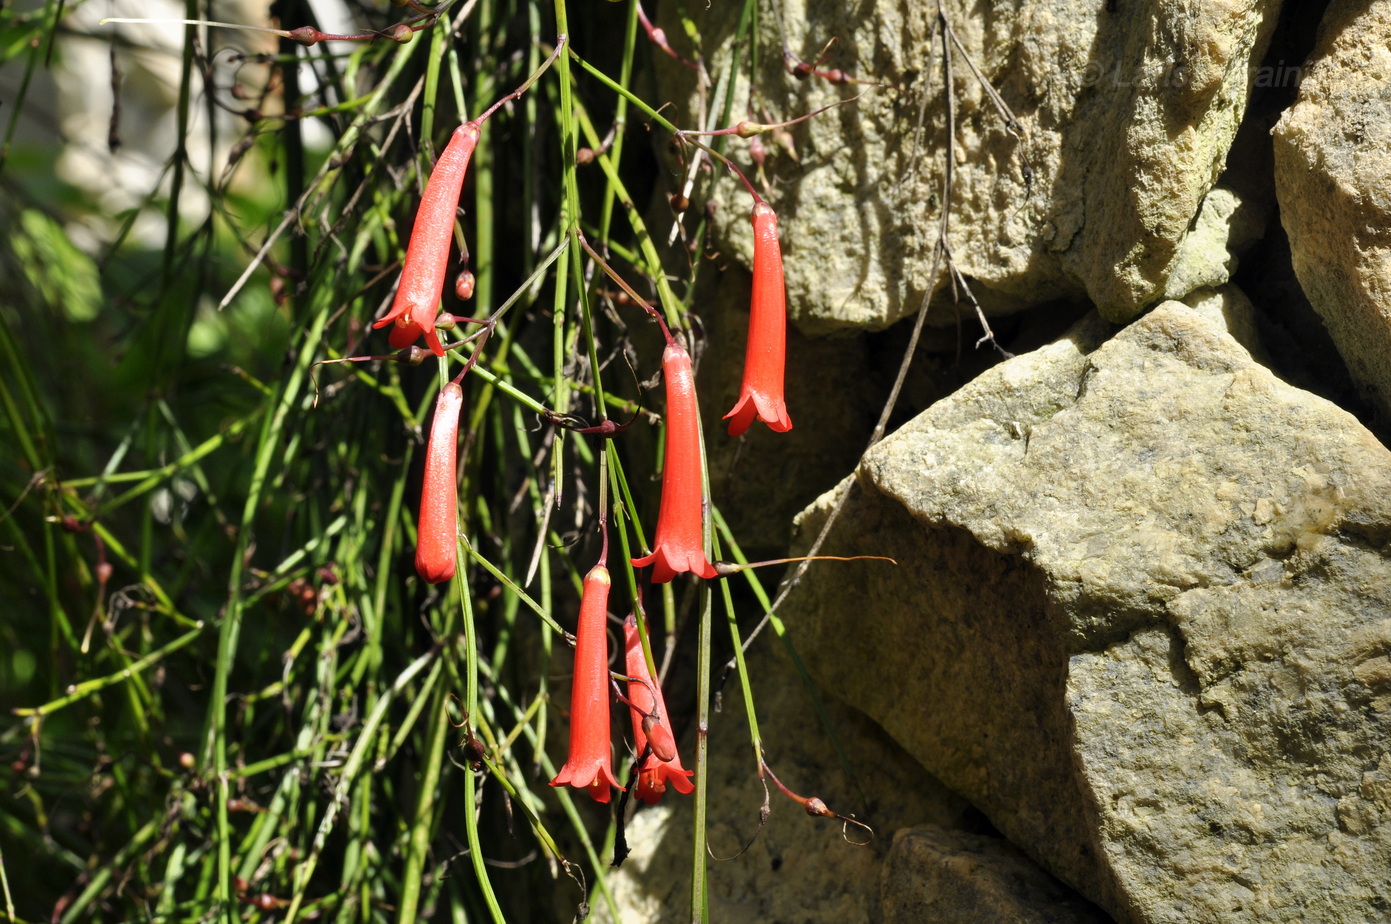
{"x":802,"y":70}
{"x":815,"y":807}
{"x":638,"y":300}
{"x":658,"y":36}
{"x":606,"y":429}
{"x":726,"y":568}
{"x":747,"y":128}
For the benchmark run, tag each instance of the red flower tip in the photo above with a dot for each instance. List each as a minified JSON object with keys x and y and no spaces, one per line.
{"x":427,"y":254}
{"x":761,"y":395}
{"x":679,"y":544}
{"x":651,"y":725}
{"x":437,"y":531}
{"x":589,"y":765}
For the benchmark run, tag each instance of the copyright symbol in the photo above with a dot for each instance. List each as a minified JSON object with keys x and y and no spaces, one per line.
{"x":1091,"y":74}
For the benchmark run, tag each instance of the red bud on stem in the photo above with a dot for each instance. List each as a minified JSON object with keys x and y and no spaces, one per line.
{"x":437,"y":532}
{"x":813,"y":806}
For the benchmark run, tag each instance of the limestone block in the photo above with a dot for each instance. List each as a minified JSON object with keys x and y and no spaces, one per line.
{"x":1333,"y":181}
{"x":1141,"y":618}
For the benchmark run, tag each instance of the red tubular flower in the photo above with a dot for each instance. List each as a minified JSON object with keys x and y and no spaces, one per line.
{"x":427,"y":254}
{"x":437,"y":531}
{"x":589,"y":766}
{"x":679,"y":544}
{"x":651,"y":726}
{"x":765,"y":357}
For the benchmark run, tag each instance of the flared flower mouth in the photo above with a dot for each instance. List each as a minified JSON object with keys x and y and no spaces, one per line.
{"x":589,"y":765}
{"x":771,"y":409}
{"x":653,"y":781}
{"x":668,"y":561}
{"x":594,"y":777}
{"x":765,"y":357}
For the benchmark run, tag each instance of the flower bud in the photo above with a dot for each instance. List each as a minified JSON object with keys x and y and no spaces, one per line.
{"x":437,"y":530}
{"x":463,"y":285}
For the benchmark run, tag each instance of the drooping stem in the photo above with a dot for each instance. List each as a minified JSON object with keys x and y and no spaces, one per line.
{"x":726,"y":568}
{"x":816,"y":807}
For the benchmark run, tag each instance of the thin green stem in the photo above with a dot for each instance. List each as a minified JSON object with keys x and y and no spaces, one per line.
{"x":700,"y":900}
{"x":305,"y":871}
{"x":755,"y":739}
{"x":86,"y":688}
{"x":480,"y":871}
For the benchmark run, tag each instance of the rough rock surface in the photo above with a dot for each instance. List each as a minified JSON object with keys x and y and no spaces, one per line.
{"x":1333,"y":180}
{"x":1229,"y":308}
{"x":936,"y":874}
{"x":836,"y":388}
{"x":1141,"y":619}
{"x":1207,"y":254}
{"x":1126,"y":122}
{"x":798,"y":869}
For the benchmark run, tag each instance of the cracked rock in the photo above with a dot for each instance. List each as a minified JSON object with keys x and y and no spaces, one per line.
{"x":1141,"y":618}
{"x":1124,"y":121}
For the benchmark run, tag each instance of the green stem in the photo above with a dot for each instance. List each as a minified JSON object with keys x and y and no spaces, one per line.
{"x":754,"y":737}
{"x":700,"y":900}
{"x":216,"y":733}
{"x":102,"y":878}
{"x":480,"y":871}
{"x":671,"y":305}
{"x":88,"y":687}
{"x":418,"y":846}
{"x":305,"y":871}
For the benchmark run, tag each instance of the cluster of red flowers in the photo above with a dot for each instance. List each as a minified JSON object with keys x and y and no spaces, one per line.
{"x":679,"y":542}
